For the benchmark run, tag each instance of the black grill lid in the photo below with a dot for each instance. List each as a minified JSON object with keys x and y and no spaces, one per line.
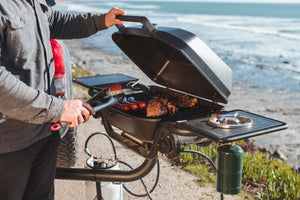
{"x":176,"y":59}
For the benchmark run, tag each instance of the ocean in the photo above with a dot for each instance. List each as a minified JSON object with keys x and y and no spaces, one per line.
{"x":260,"y":42}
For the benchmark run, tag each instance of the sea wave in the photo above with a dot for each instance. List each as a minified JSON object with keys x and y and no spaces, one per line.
{"x":242,"y":23}
{"x":78,"y":8}
{"x":91,"y":6}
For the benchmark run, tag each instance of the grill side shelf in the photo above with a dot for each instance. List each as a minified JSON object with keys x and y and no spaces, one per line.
{"x":201,"y":127}
{"x":104,"y":80}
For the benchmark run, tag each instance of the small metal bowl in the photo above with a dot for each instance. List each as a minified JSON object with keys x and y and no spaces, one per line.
{"x":230,"y":120}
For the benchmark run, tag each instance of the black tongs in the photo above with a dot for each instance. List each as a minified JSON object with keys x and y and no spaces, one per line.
{"x":98,"y":94}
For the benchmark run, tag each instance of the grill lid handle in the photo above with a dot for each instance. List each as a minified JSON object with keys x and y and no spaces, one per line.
{"x":151,"y":28}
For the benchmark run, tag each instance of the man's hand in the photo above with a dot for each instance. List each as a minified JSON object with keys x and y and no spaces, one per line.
{"x":76,"y":112}
{"x":110,"y":17}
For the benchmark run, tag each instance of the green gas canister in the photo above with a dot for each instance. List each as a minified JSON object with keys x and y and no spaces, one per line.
{"x":229,"y":169}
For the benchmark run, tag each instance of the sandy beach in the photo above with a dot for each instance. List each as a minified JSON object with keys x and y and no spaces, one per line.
{"x":250,"y":97}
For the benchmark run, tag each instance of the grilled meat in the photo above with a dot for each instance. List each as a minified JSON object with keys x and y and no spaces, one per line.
{"x":157,"y":107}
{"x":171,"y":108}
{"x":184,"y":101}
{"x":168,"y":102}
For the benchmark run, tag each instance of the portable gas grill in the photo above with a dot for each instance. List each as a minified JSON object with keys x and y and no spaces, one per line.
{"x":178,"y":61}
{"x":181,"y":62}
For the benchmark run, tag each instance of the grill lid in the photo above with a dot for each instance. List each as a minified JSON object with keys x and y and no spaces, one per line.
{"x":176,"y":59}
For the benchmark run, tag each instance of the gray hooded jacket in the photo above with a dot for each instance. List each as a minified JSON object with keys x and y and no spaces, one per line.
{"x":27,"y":70}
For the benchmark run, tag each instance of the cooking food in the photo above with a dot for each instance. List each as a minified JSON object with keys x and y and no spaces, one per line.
{"x":129,"y":103}
{"x":133,"y":106}
{"x":165,"y":102}
{"x":141,"y":104}
{"x":157,"y":107}
{"x":122,"y":107}
{"x":169,"y":102}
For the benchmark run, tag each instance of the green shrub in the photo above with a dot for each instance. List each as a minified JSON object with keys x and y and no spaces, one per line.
{"x":273,"y":179}
{"x":277,"y":180}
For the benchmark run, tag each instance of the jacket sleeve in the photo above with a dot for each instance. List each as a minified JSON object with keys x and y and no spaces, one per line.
{"x":21,"y":102}
{"x":71,"y":25}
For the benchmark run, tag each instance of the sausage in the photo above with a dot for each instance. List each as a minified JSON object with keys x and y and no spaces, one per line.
{"x":133,"y":106}
{"x":141,"y":104}
{"x":122,"y":107}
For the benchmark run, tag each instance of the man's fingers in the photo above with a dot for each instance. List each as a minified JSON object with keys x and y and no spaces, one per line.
{"x":110,"y":18}
{"x":89,"y":108}
{"x":85,"y":114}
{"x":118,"y":22}
{"x":76,"y":112}
{"x":81,"y":118}
{"x":72,"y":124}
{"x":118,"y":11}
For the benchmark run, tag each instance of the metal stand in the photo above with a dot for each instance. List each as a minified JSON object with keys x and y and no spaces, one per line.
{"x":99,"y":193}
{"x":107,"y":174}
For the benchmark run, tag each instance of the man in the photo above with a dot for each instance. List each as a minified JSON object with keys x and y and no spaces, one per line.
{"x":27,"y":146}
